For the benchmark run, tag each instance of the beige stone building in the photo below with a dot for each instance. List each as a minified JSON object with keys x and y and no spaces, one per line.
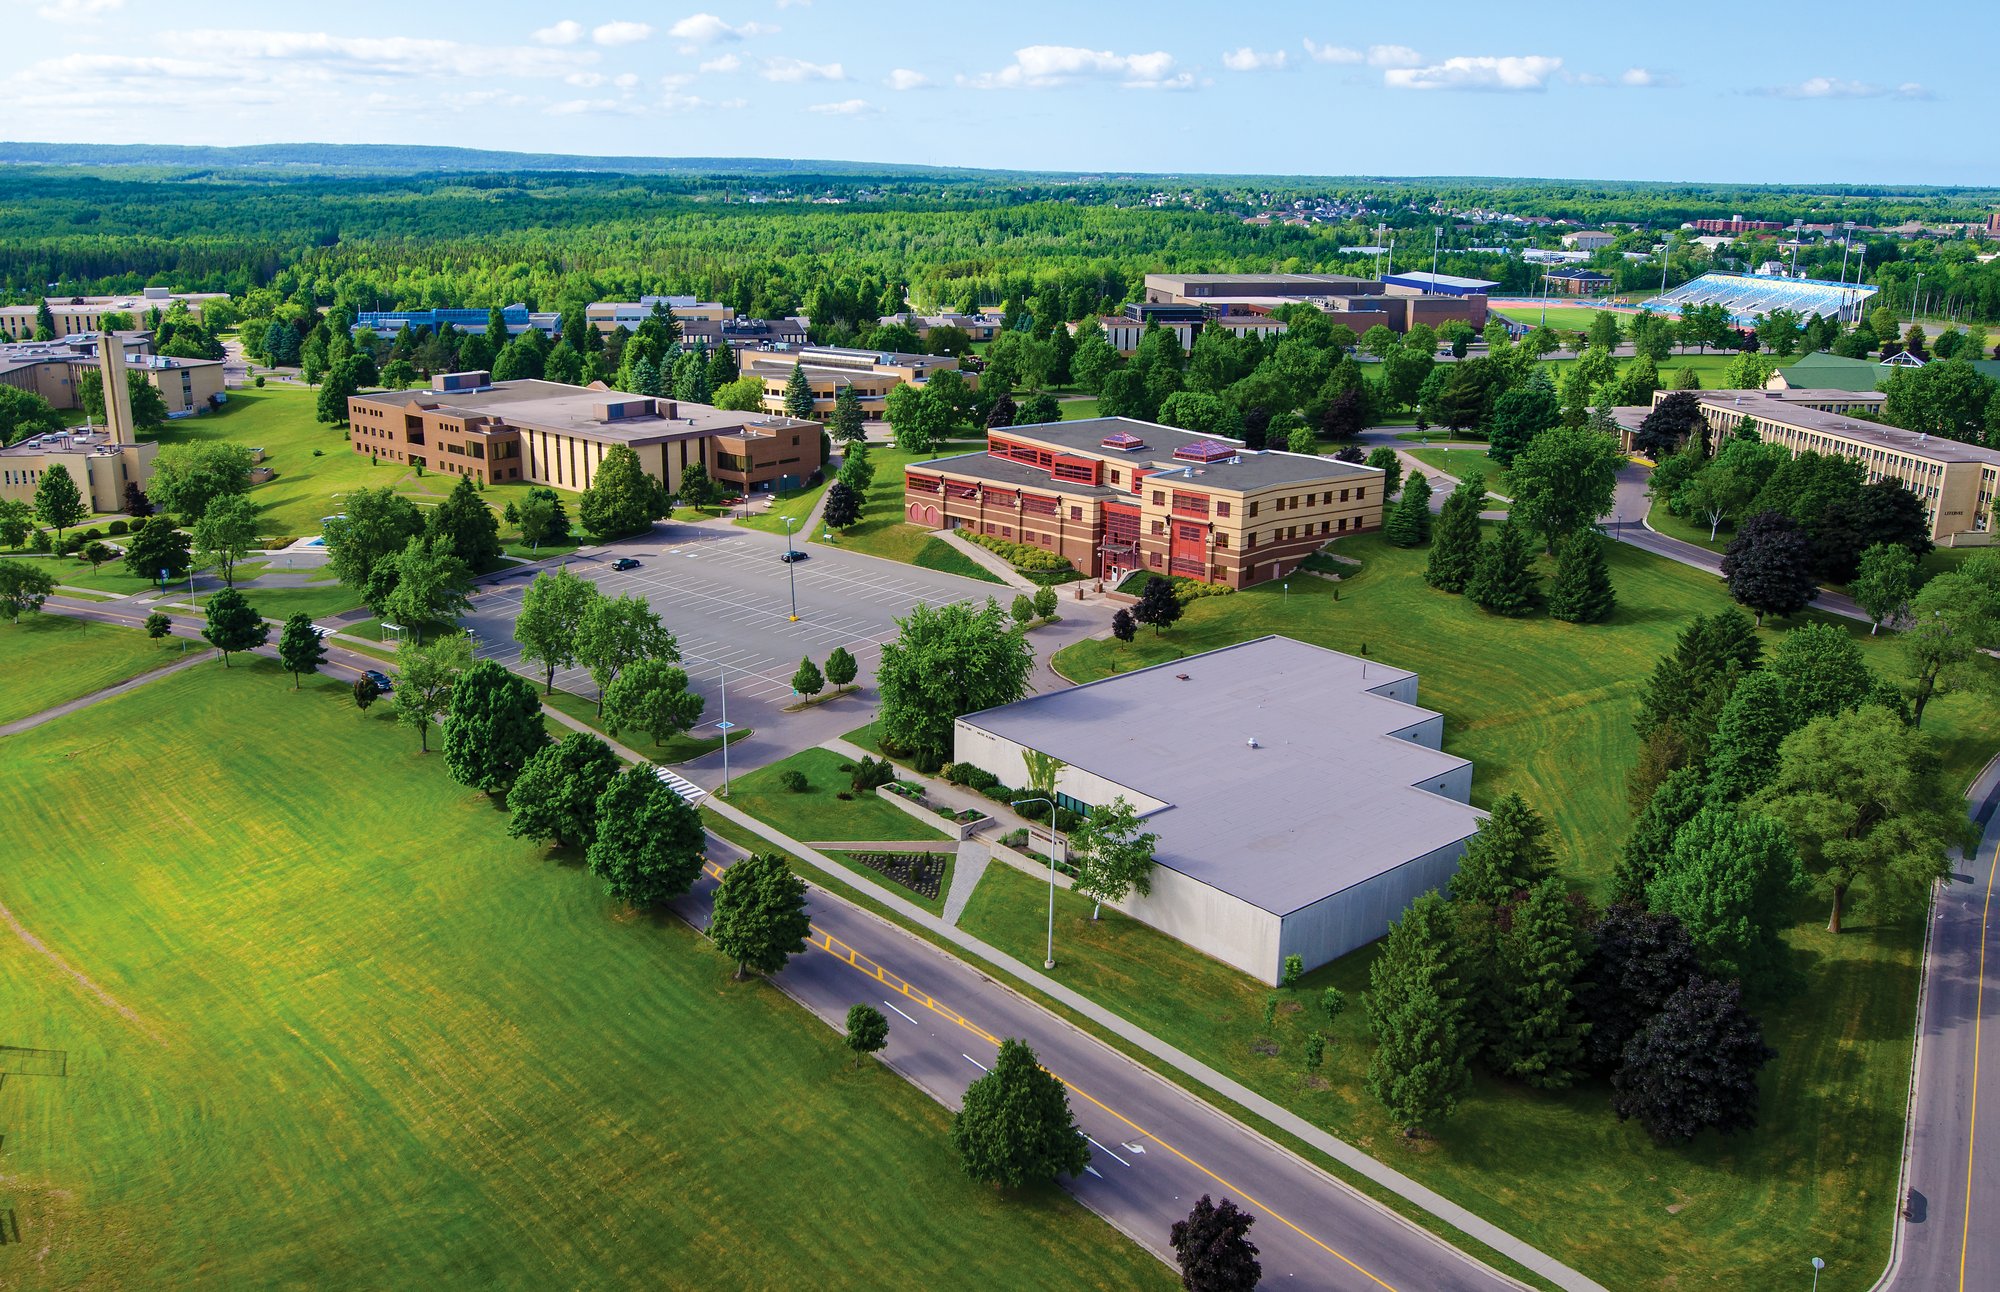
{"x":74,"y":314}
{"x":101,"y":461}
{"x":871,"y":374}
{"x":545,"y":432}
{"x":1113,"y":496}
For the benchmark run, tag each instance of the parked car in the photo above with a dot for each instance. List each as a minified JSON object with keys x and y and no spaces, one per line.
{"x":794,"y":555}
{"x":625,"y":563}
{"x":380,"y":679}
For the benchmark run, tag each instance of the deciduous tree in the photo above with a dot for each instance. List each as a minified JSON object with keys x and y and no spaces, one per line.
{"x":947,"y":661}
{"x":760,"y":918}
{"x":426,"y":672}
{"x":1564,"y":481}
{"x":1822,"y":672}
{"x":1214,"y":1249}
{"x":555,"y":796}
{"x":225,"y":534}
{"x":1158,"y":606}
{"x":1694,"y":1066}
{"x":375,"y":524}
{"x":1884,"y":584}
{"x":652,"y":695}
{"x":841,"y":668}
{"x":622,"y":499}
{"x":1014,"y":1127}
{"x":188,"y":477}
{"x":23,"y":589}
{"x":1769,"y":565}
{"x":1638,"y":959}
{"x":551,"y":620}
{"x":648,"y":845}
{"x":300,"y":647}
{"x":58,"y":502}
{"x":808,"y":681}
{"x":466,"y":527}
{"x":616,"y":633}
{"x":233,"y":624}
{"x":1951,"y":619}
{"x":1113,"y":856}
{"x":495,"y":727}
{"x":867,"y":1031}
{"x":1730,"y":879}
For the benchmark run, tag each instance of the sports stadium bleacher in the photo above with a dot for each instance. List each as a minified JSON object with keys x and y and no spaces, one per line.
{"x":1746,"y":296}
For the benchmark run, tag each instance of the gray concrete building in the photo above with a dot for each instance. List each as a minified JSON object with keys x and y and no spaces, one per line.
{"x":1300,"y":795}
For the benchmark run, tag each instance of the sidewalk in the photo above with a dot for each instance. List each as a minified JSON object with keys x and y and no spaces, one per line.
{"x":990,"y":561}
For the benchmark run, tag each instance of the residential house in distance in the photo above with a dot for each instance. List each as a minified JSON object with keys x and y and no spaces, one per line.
{"x":1588,"y":240}
{"x":74,"y":314}
{"x":1113,"y":495}
{"x":1301,"y":797}
{"x":871,"y":374}
{"x":546,"y":432}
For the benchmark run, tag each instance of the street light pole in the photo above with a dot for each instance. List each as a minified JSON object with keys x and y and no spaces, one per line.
{"x":1818,"y":1265}
{"x":1055,"y":842}
{"x":791,"y":561}
{"x":722,"y":674}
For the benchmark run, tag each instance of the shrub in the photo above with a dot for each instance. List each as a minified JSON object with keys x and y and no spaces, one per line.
{"x":794,"y":781}
{"x":92,"y":534}
{"x":844,"y":796}
{"x":260,"y":381}
{"x":136,"y":524}
{"x":319,"y":453}
{"x":117,"y":528}
{"x":998,"y":793}
{"x":1022,"y":556}
{"x":1015,"y":838}
{"x":928,"y":762}
{"x":869,"y":773}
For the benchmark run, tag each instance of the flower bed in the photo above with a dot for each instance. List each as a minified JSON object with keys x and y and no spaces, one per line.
{"x":920,"y":872}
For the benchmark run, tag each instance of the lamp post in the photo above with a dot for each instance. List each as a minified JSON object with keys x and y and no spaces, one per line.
{"x":724,"y":726}
{"x":791,"y":560}
{"x":1055,"y":841}
{"x":1818,"y":1265}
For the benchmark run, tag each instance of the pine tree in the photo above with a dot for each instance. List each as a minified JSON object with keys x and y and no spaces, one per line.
{"x":1505,"y":582}
{"x":1417,"y":1012}
{"x":1581,"y":592}
{"x":1743,"y":756}
{"x":1509,"y":854}
{"x":1409,"y":522}
{"x":848,"y":426}
{"x":1539,"y":1034}
{"x":1455,"y":551}
{"x":843,"y":506}
{"x":1673,"y":803}
{"x":798,"y":394}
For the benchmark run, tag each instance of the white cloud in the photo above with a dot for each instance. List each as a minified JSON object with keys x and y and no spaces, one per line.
{"x":588,"y":107}
{"x":1833,"y":87}
{"x":621,"y":33}
{"x":625,"y":80}
{"x":844,"y":108}
{"x":727,"y":63}
{"x":700,"y":29}
{"x":905,"y":79}
{"x":788,"y":4}
{"x":566,"y":32}
{"x":1591,"y":79}
{"x":1394,"y":56}
{"x":1644,"y":78}
{"x":78,"y":10}
{"x":1247,"y":59}
{"x":1045,"y":66}
{"x":1331,"y":53}
{"x":584,"y":80}
{"x":793,"y":70}
{"x":1508,"y":74}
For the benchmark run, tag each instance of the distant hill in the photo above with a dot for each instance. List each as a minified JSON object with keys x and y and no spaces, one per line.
{"x":420,"y":158}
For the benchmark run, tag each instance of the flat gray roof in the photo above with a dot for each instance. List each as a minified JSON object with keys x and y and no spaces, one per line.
{"x":572,"y":410}
{"x":1783,"y":406}
{"x":1250,"y":470}
{"x":1326,"y":800}
{"x":984,"y":466}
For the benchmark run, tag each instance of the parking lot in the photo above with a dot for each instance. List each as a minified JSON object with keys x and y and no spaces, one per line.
{"x":724,"y":595}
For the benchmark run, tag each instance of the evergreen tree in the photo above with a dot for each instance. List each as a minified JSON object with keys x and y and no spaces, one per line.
{"x":1123,"y":626}
{"x":1581,"y":592}
{"x":1672,"y":805}
{"x":1638,"y":959}
{"x":495,"y":727}
{"x":1504,"y":583}
{"x":798,"y":394}
{"x":1510,"y":854}
{"x":648,"y":844}
{"x":300,"y":648}
{"x":1214,"y":1250}
{"x":1769,"y":565}
{"x":848,"y":425}
{"x":1015,"y":1127}
{"x":760,"y":918}
{"x":1455,"y":552}
{"x":1416,"y":1009}
{"x":1694,"y":1066}
{"x":466,"y":527}
{"x":555,"y":796}
{"x":233,"y":624}
{"x":1743,"y":756}
{"x":1730,"y":878}
{"x":1540,"y":1030}
{"x":1409,"y":522}
{"x":856,"y":472}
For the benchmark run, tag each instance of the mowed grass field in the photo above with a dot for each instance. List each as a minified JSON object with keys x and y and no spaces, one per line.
{"x":1545,"y":709}
{"x":340,"y":1030}
{"x":48,"y":659}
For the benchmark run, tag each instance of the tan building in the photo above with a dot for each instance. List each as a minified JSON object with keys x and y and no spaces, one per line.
{"x":1113,"y":495}
{"x":608,"y":316}
{"x":979,"y":327}
{"x":101,"y":462}
{"x":75,"y":314}
{"x":545,"y":432}
{"x":1361,"y":303}
{"x":872,"y":374}
{"x":1124,"y":332}
{"x":1588,"y":240}
{"x":1956,"y":482}
{"x":55,"y":371}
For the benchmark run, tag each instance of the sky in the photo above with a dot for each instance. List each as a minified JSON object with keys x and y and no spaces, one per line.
{"x":1836,"y":92}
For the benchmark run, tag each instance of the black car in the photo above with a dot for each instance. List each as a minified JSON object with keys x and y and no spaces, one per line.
{"x":625,"y":563}
{"x":380,"y":679}
{"x":793,"y":554}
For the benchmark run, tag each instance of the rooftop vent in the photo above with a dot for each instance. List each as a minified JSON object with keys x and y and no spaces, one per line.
{"x":1203,"y":451}
{"x":1122,"y":441}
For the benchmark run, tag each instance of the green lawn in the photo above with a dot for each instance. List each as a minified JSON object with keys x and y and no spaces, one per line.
{"x":936,"y":554}
{"x":1558,"y":1169}
{"x":1459,"y":462}
{"x":1079,"y":410}
{"x":312,"y":1051}
{"x":794,"y":503}
{"x":320,"y":600}
{"x":109,"y":577}
{"x":882,"y":531}
{"x":818,"y":813}
{"x":48,"y":659}
{"x":682,"y":748}
{"x":935,"y":905}
{"x":1687,"y":531}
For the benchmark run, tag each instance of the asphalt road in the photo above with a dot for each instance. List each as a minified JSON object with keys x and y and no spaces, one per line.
{"x":1155,"y":1149}
{"x":727,"y":598}
{"x":1949,"y":1236}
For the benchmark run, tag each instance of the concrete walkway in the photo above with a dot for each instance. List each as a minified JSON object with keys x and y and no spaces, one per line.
{"x":34,"y":720}
{"x":1347,"y":1155}
{"x":973,"y":858}
{"x":989,"y":561}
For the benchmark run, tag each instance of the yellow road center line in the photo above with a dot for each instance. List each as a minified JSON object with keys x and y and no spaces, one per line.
{"x":1978,"y":1019}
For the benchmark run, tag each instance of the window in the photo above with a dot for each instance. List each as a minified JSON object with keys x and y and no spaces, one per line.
{"x":1156,"y":558}
{"x":1159,"y":498}
{"x":1253,"y":507}
{"x":1221,"y":509}
{"x":1250,"y":541}
{"x":1076,"y":513}
{"x":1159,"y":527}
{"x":1114,"y":477}
{"x":1343,"y":495}
{"x":1077,"y":806}
{"x":1361,"y":494}
{"x":1221,"y":541}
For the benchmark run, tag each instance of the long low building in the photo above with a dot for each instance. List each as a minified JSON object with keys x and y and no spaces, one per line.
{"x":546,"y":432}
{"x":55,"y":371}
{"x":1300,"y":796}
{"x":1956,"y":482}
{"x":871,"y":374}
{"x":518,"y":318}
{"x":1113,"y":496}
{"x":74,"y":314}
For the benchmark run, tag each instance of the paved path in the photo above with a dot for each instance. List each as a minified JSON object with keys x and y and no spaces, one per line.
{"x":990,"y":561}
{"x":1156,"y":1147}
{"x":1946,"y":1235}
{"x":966,"y":872}
{"x":34,"y":720}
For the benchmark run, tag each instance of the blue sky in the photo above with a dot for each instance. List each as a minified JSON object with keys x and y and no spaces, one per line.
{"x":1839,"y":92}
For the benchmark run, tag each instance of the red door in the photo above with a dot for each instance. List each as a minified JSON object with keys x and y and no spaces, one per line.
{"x":1188,"y":555}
